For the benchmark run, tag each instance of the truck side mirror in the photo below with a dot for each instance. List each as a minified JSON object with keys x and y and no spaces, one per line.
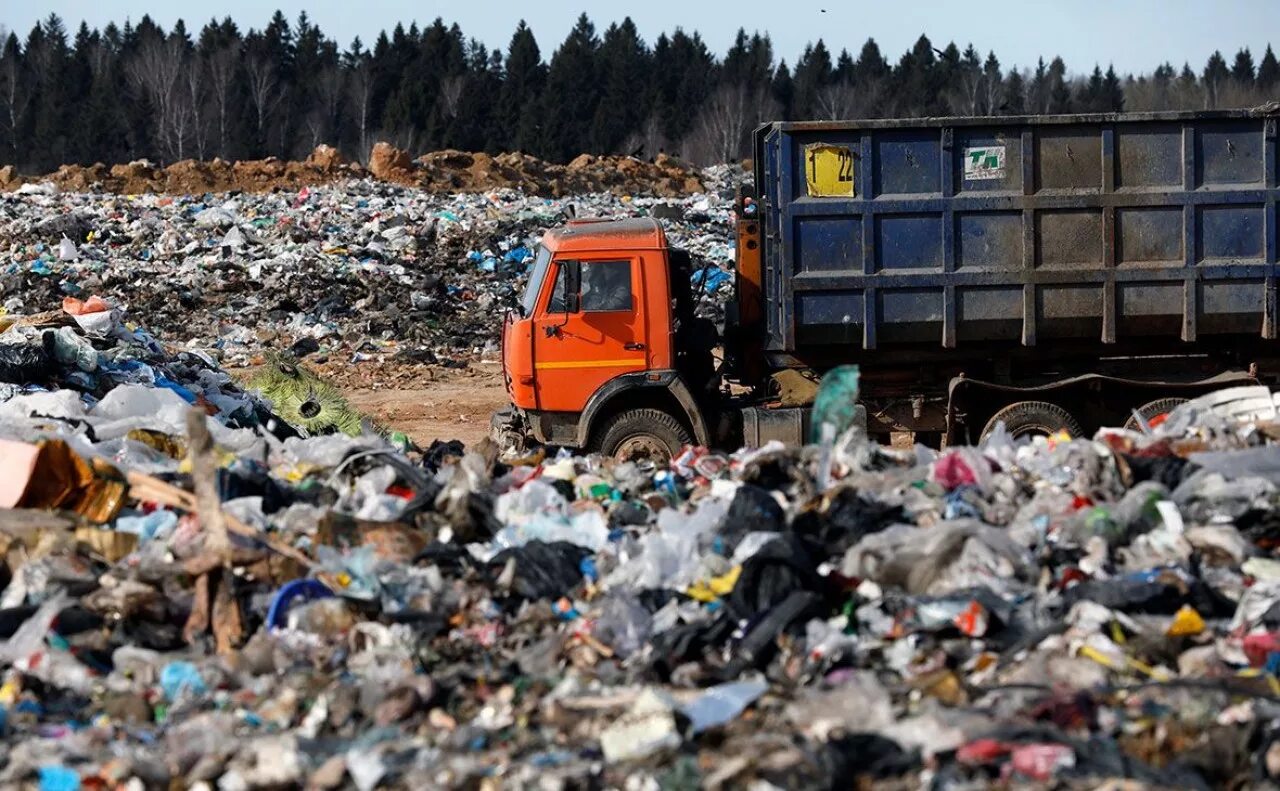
{"x":572,"y":286}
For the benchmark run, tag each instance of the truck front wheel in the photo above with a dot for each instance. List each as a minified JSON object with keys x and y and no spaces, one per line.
{"x":642,"y":434}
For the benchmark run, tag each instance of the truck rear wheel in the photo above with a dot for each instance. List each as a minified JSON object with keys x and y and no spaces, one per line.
{"x":1153,"y":411}
{"x":1034,"y":418}
{"x":642,"y":434}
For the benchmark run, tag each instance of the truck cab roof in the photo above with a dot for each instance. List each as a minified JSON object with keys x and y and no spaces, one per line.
{"x":592,"y":234}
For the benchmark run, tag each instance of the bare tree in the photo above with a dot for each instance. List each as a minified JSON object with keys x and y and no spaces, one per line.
{"x":648,"y":140}
{"x":360,"y":86}
{"x":195,"y":100}
{"x":992,"y":87}
{"x":721,"y":129}
{"x":220,"y":66}
{"x":265,"y":91}
{"x":15,"y":94}
{"x":965,"y":95}
{"x":847,"y":99}
{"x":451,"y":89}
{"x":156,"y":72}
{"x":322,"y":119}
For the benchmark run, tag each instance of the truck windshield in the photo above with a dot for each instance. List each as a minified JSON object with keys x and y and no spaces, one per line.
{"x":540,"y":266}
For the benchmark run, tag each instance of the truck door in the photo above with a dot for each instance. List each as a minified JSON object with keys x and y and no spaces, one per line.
{"x":577,"y":351}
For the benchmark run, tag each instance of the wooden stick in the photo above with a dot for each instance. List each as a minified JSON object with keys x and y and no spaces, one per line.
{"x":145,"y":488}
{"x":204,"y":477}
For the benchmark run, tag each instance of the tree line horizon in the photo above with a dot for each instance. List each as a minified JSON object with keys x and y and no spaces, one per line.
{"x":140,"y":92}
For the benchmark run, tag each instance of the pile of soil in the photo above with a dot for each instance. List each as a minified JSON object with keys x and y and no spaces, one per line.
{"x":441,"y":171}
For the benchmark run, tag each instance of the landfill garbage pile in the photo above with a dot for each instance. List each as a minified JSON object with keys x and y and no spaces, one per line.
{"x":440,"y":171}
{"x":197,"y":594}
{"x":362,"y":270}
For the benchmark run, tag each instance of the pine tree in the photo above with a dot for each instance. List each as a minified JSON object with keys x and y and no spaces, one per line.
{"x":1162,"y":86}
{"x":964,"y":83}
{"x":1242,"y":68}
{"x":519,"y":118}
{"x":472,"y":127}
{"x":444,"y":53}
{"x":871,"y":63}
{"x":50,"y":59}
{"x":572,"y":93}
{"x":1112,"y":97}
{"x":1059,"y":91}
{"x":917,"y":79}
{"x":1268,"y":71}
{"x":79,"y":77}
{"x":1038,"y":90}
{"x":624,"y":64}
{"x":101,"y":129}
{"x":844,"y":68}
{"x":736,"y":66}
{"x":1215,"y":77}
{"x":813,"y":73}
{"x":782,"y":89}
{"x":1089,"y":99}
{"x":1015,"y":94}
{"x":684,"y":76}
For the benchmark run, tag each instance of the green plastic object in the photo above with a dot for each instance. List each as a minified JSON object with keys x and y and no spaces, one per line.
{"x":836,"y":402}
{"x":303,"y":399}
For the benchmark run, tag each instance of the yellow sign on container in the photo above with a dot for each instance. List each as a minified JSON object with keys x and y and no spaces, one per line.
{"x":828,"y":171}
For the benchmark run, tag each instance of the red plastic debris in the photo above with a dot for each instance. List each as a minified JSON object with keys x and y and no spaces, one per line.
{"x":982,"y":751}
{"x":1041,"y":761}
{"x":1258,"y":646}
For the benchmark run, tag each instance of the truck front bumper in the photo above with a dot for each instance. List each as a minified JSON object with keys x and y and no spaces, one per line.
{"x":509,"y":429}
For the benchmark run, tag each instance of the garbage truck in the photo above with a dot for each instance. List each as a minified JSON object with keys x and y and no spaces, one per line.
{"x":1047,"y":273}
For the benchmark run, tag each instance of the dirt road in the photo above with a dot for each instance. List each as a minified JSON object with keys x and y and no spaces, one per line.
{"x":448,"y":405}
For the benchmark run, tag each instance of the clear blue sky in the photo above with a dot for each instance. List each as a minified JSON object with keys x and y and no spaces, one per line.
{"x":1135,"y":35}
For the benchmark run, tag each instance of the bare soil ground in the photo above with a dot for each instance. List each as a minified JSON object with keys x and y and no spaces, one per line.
{"x":425,"y":402}
{"x":451,"y":404}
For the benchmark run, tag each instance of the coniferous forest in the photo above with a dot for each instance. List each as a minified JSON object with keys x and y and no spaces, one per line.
{"x":140,"y":91}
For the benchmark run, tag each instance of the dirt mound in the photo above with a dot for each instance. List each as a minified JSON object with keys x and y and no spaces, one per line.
{"x":460,"y":171}
{"x":440,"y":171}
{"x":326,"y":157}
{"x":388,"y":162}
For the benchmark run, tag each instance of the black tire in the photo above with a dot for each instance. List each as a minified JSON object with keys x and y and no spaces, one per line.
{"x":1151,"y":409}
{"x":1031,"y":418}
{"x":641,"y":433}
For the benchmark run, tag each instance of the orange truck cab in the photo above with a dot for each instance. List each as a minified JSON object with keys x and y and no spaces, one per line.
{"x":604,"y":352}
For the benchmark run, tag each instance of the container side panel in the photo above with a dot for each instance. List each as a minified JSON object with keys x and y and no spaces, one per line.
{"x":1229,"y":233}
{"x":910,"y":315}
{"x":828,"y":244}
{"x":1148,"y":155}
{"x":990,"y":313}
{"x":1068,"y":311}
{"x":1068,"y":238}
{"x":1229,"y":154}
{"x":989,"y":241}
{"x":1231,"y":306}
{"x":907,"y":162}
{"x":830,"y":307}
{"x":1149,"y":236}
{"x":1149,"y":308}
{"x":908,"y":241}
{"x":1150,"y":298}
{"x":1069,"y":158}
